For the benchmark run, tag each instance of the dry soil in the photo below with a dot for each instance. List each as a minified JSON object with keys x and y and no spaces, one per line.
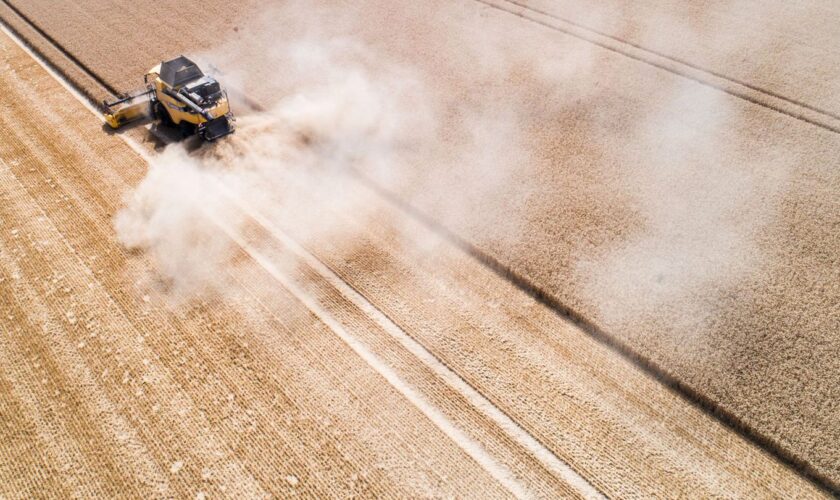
{"x":403,"y":368}
{"x":679,"y":195}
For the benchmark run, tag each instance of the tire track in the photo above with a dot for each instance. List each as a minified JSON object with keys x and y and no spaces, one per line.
{"x":414,"y":373}
{"x":80,"y":205}
{"x":694,"y":397}
{"x":742,"y":90}
{"x":268,"y":301}
{"x":472,"y":448}
{"x":551,"y":461}
{"x":678,"y":60}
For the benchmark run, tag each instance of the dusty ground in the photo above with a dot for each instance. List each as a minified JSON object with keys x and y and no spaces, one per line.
{"x":736,"y":297}
{"x":734,"y":293}
{"x":396,"y":366}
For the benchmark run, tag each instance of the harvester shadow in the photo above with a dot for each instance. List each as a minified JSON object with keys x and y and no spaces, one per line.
{"x":156,"y":135}
{"x":123,"y":128}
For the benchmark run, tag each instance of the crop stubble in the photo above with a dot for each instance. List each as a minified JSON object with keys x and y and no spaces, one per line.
{"x":583,"y":208}
{"x":248,"y":411}
{"x":233,"y":413}
{"x":566,"y":389}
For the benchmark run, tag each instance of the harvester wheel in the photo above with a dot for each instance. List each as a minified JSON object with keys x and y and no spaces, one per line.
{"x":187,"y":129}
{"x":162,"y":114}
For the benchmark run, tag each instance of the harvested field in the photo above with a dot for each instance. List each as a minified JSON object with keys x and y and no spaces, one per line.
{"x":117,"y":394}
{"x":108,"y":390}
{"x":688,"y":220}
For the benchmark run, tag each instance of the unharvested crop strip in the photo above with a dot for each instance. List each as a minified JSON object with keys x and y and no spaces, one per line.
{"x":83,"y":97}
{"x":66,"y":53}
{"x":743,"y":90}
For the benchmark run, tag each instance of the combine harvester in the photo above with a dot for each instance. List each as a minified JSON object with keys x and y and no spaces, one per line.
{"x":178,"y":94}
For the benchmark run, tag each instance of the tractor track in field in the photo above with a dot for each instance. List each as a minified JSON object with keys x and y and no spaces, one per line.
{"x":490,"y":409}
{"x":83,"y":229}
{"x":685,"y":391}
{"x":737,"y":88}
{"x":521,"y":282}
{"x":677,"y":60}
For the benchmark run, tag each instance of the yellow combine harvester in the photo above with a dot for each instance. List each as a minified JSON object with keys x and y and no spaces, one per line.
{"x":177,"y":93}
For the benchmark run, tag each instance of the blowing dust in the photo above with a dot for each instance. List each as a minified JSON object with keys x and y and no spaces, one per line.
{"x":464,"y":155}
{"x":336,"y":107}
{"x":702,"y":197}
{"x":704,"y":184}
{"x":187,"y":213}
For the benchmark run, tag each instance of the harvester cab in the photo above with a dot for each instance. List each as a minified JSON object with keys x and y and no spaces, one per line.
{"x":178,"y":94}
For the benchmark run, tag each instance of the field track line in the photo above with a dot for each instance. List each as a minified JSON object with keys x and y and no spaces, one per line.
{"x":471,"y":447}
{"x":686,"y":392}
{"x":746,"y":91}
{"x":797,"y":102}
{"x":551,"y":461}
{"x":498,"y":471}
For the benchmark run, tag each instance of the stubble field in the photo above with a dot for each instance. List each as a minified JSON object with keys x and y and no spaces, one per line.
{"x":557,"y":158}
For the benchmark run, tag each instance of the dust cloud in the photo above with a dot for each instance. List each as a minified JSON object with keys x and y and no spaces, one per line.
{"x":187,"y":212}
{"x":339,"y":106}
{"x":702,"y":197}
{"x":697,"y":174}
